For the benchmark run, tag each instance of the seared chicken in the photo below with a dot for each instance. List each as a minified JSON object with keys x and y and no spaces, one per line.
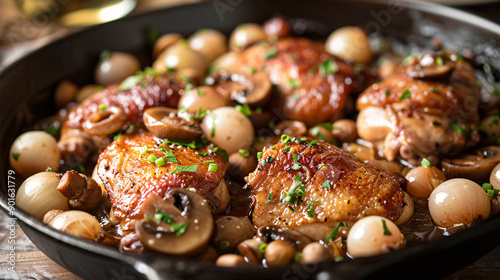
{"x":112,"y":110}
{"x":427,"y":108}
{"x":303,"y":182}
{"x":130,"y":178}
{"x":313,"y":85}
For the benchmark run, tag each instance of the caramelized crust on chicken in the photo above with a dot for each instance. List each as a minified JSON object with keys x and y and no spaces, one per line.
{"x":301,"y":183}
{"x":312,"y":84}
{"x":130,"y":178}
{"x":150,"y":91}
{"x":422,"y":110}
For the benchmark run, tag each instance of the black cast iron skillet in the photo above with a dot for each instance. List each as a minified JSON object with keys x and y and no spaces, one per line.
{"x":26,"y":86}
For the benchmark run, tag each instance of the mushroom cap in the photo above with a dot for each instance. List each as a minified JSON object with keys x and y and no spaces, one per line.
{"x":165,"y":123}
{"x":161,"y":229}
{"x":271,"y":233}
{"x":476,"y":167}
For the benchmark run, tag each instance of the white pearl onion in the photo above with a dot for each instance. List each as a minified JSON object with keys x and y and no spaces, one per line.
{"x":33,"y":152}
{"x":366,"y":237}
{"x":458,"y":202}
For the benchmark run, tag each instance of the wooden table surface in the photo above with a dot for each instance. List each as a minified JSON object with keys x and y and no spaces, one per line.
{"x":33,"y":264}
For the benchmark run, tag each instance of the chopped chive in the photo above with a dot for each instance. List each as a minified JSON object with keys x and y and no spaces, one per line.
{"x":252,"y":70}
{"x":262,"y":247}
{"x":387,"y":92}
{"x":433,"y":90}
{"x":259,"y":155}
{"x":297,"y":257}
{"x":326,"y":184}
{"x":439,"y":61}
{"x":270,"y":159}
{"x":102,"y":107}
{"x":269,"y":197}
{"x":15,"y":155}
{"x":48,"y":169}
{"x":285,"y":138}
{"x":290,"y":208}
{"x":213,"y":126}
{"x":244,"y":153}
{"x":293,"y":84}
{"x":162,"y":216}
{"x":406,"y":94}
{"x":144,"y":150}
{"x":199,"y":92}
{"x":313,"y":142}
{"x":386,"y":230}
{"x":105,"y":54}
{"x":160,"y":161}
{"x":310,"y":208}
{"x":244,"y":109}
{"x":263,"y":163}
{"x":212,"y":167}
{"x":202,"y":154}
{"x":286,"y":149}
{"x":426,"y":163}
{"x":185,"y":168}
{"x":271,"y":53}
{"x":334,"y":231}
{"x":457,"y":128}
{"x":179,"y":229}
{"x":152,"y":158}
{"x":328,"y":66}
{"x":209,"y":161}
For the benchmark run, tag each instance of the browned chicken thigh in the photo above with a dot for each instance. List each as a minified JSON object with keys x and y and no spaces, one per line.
{"x":312,"y":85}
{"x":130,"y":176}
{"x":304,"y":182}
{"x":429,"y":107}
{"x":114,"y":109}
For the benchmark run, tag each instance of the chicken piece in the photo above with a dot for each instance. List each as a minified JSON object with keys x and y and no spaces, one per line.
{"x":313,"y":85}
{"x":112,"y":110}
{"x":427,"y":108}
{"x":303,"y":182}
{"x":130,"y":178}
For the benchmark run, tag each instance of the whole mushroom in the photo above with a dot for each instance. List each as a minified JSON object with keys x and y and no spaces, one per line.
{"x":83,"y":192}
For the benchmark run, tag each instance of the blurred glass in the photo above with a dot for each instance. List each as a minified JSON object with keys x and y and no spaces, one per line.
{"x":75,"y":12}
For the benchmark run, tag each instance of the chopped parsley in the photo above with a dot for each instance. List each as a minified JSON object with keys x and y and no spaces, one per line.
{"x":221,"y":152}
{"x":387,"y":92}
{"x":102,"y":107}
{"x":332,"y":234}
{"x":15,"y":155}
{"x":297,"y":257}
{"x":313,"y":142}
{"x":185,"y":168}
{"x":293,"y":83}
{"x":199,"y":92}
{"x":433,"y":90}
{"x":406,"y":95}
{"x":48,"y":169}
{"x":152,"y":158}
{"x":386,"y":230}
{"x":170,"y":157}
{"x":296,"y":165}
{"x":439,"y":61}
{"x":328,"y":67}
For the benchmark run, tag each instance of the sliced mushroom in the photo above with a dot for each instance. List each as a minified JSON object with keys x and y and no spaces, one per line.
{"x":292,"y":128}
{"x":252,"y":89}
{"x":219,"y":197}
{"x":75,"y":146}
{"x":241,"y":164}
{"x":166,"y":123}
{"x":476,"y":167}
{"x":104,"y":122}
{"x":319,"y":231}
{"x":431,"y":66}
{"x":231,"y":231}
{"x":83,"y":192}
{"x":180,"y":224}
{"x":271,"y":233}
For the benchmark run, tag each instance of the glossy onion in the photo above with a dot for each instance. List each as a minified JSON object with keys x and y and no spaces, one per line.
{"x":495,"y":182}
{"x":245,"y":35}
{"x":203,"y":97}
{"x":210,"y":42}
{"x":228,"y":129}
{"x":423,"y":180}
{"x":458,"y":202}
{"x":368,"y":237}
{"x":38,"y":195}
{"x":77,"y":223}
{"x":33,"y":152}
{"x":350,"y":43}
{"x":180,"y":56}
{"x":115,"y":67}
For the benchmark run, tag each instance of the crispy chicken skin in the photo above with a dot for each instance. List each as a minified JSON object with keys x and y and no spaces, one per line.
{"x":295,"y":66}
{"x":352,"y":190}
{"x":151,"y":91}
{"x":130,"y":178}
{"x":433,"y":114}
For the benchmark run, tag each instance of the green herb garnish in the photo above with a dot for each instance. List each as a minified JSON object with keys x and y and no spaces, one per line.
{"x":179,"y":229}
{"x":244,"y":109}
{"x":162,"y":216}
{"x":244,"y":153}
{"x":212,"y":167}
{"x":185,"y":168}
{"x":328,"y":66}
{"x":15,"y":155}
{"x":426,"y":163}
{"x":326,"y":184}
{"x":386,"y":230}
{"x":406,"y":95}
{"x":334,"y":231}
